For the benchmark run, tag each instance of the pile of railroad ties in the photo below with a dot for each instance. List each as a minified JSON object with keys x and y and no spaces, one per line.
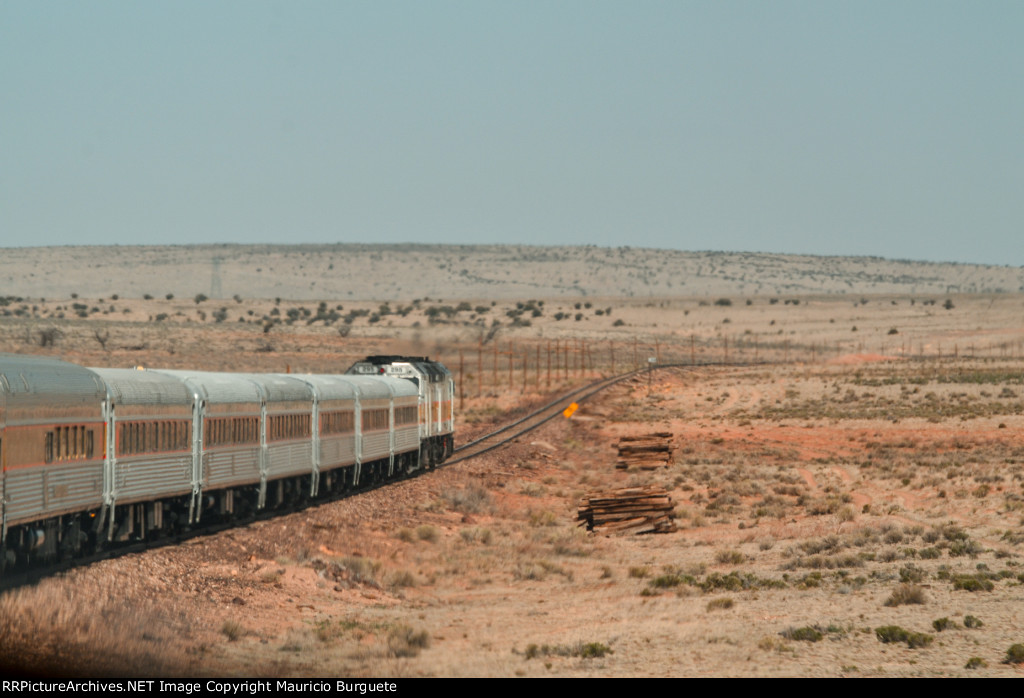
{"x":645,"y":509}
{"x":647,"y":452}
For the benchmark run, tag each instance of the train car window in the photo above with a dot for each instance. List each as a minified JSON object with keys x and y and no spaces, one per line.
{"x":48,"y":447}
{"x":89,"y":444}
{"x":375,"y":420}
{"x":337,"y":423}
{"x":406,"y":415}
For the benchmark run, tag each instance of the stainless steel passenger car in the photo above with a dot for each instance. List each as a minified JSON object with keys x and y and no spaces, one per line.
{"x":149,"y":459}
{"x":52,"y":453}
{"x":92,"y":457}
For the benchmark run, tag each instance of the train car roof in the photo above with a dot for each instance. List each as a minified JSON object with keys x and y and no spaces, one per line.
{"x":219,"y":387}
{"x":28,"y":380}
{"x":280,"y":387}
{"x":375,"y":387}
{"x":129,"y":386}
{"x":329,"y":387}
{"x":402,"y":388}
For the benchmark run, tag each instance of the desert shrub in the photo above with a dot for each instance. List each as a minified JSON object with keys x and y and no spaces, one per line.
{"x":469,"y":500}
{"x":911,"y":573}
{"x":352,"y":568}
{"x":977,"y":582}
{"x":666,"y":581}
{"x":592,"y":650}
{"x":906,"y":594}
{"x":232,"y":630}
{"x":805,"y":634}
{"x":1015,"y":655}
{"x":972,"y":622}
{"x":941,"y":624}
{"x":960,"y":548}
{"x":894,"y":536}
{"x":402,"y":579}
{"x":952,"y":532}
{"x":975,"y":663}
{"x":542,"y":518}
{"x":428,"y":533}
{"x":720,"y":604}
{"x":583,"y":650}
{"x":403,"y":641}
{"x":893,"y":633}
{"x":477,"y":535}
{"x":731,"y":557}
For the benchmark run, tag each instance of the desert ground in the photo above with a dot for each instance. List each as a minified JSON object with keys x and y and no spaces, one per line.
{"x":847,"y":479}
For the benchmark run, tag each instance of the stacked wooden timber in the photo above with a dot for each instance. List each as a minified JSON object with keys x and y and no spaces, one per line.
{"x":646,"y":452}
{"x":645,"y":509}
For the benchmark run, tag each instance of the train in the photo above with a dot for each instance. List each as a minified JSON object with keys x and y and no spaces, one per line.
{"x":97,"y":457}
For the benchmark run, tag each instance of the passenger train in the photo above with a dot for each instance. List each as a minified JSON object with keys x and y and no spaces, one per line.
{"x":93,"y":457}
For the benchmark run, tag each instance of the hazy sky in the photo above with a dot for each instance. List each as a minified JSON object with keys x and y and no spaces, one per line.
{"x":867,"y":128}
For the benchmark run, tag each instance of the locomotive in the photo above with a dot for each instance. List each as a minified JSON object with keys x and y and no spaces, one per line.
{"x":93,"y":457}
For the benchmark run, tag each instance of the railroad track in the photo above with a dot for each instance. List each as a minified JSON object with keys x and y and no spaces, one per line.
{"x":535,"y":419}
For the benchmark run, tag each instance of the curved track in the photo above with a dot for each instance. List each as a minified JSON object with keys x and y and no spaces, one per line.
{"x":521,"y":426}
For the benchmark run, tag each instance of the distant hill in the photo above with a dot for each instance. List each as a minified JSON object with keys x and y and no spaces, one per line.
{"x":405,"y":272}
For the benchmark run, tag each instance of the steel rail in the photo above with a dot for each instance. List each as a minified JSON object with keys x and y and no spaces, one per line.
{"x":545,"y":414}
